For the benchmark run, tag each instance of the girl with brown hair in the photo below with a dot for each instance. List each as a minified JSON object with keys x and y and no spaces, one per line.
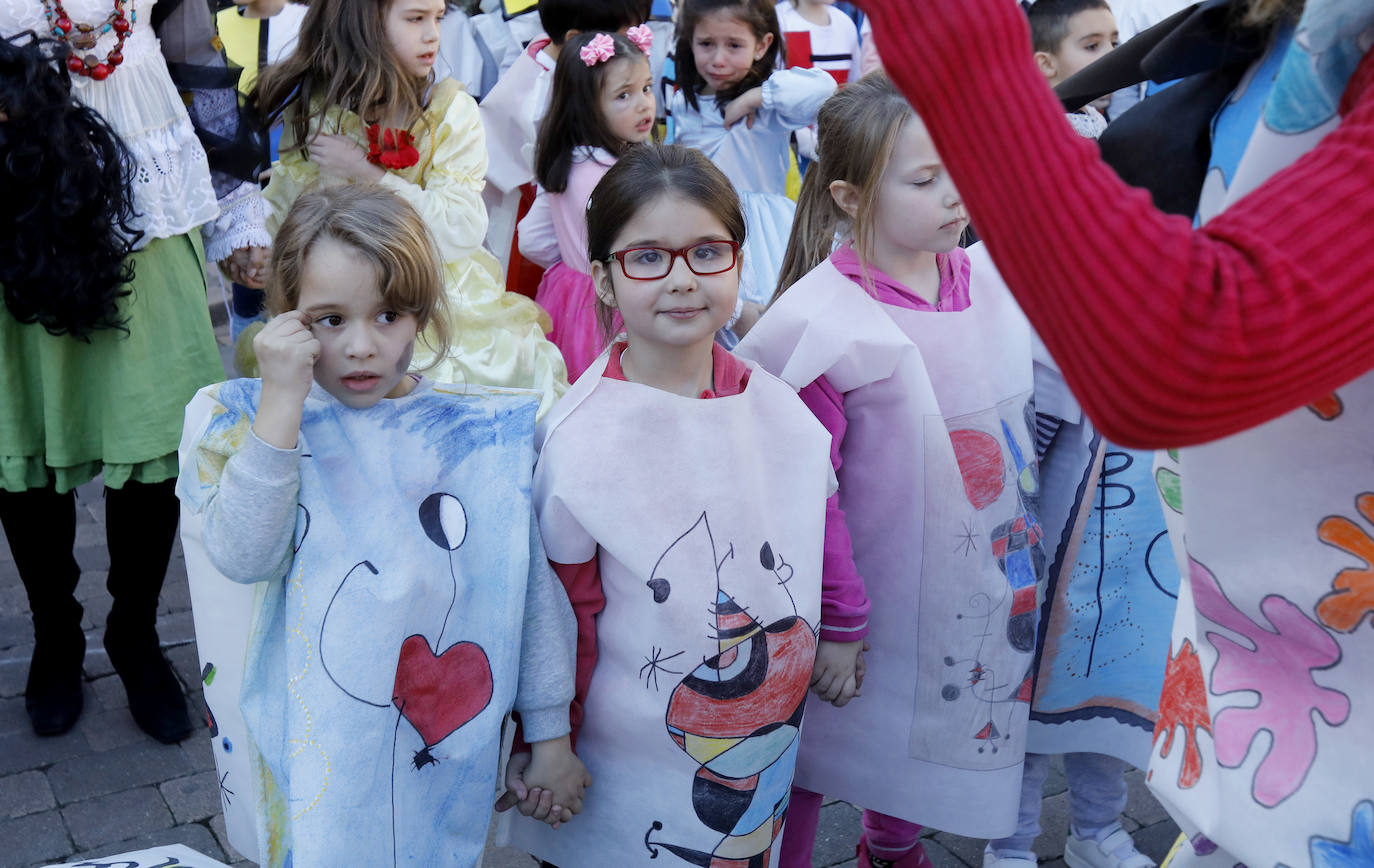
{"x":360,"y":103}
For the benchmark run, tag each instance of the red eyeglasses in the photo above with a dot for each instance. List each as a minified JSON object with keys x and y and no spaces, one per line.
{"x":652,"y":263}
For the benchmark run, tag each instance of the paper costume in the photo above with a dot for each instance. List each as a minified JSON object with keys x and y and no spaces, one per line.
{"x":401,"y":604}
{"x":706,"y":517}
{"x":1263,"y":745}
{"x":938,"y":484}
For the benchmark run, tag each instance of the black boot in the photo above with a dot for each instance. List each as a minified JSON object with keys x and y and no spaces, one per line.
{"x":140,"y":526}
{"x":40,"y":525}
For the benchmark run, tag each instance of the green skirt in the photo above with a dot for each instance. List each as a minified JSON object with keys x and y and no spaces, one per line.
{"x":70,"y":410}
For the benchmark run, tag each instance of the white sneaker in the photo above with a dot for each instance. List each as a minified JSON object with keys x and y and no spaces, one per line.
{"x":1112,"y":850}
{"x":992,"y":860}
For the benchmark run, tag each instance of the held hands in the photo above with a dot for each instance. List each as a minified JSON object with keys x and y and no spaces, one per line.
{"x":743,"y":107}
{"x":247,"y":265}
{"x":839,"y":671}
{"x":286,"y":351}
{"x":341,"y":157}
{"x":548,"y":784}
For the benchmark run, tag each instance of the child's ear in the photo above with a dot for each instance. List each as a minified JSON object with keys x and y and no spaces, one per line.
{"x":1048,"y":65}
{"x":601,"y":283}
{"x":846,"y":196}
{"x":569,"y":35}
{"x":764,"y":44}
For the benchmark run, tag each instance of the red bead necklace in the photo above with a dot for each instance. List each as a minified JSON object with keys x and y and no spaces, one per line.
{"x":86,"y":36}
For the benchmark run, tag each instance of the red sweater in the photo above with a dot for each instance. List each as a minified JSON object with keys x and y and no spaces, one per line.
{"x":1268,"y":307}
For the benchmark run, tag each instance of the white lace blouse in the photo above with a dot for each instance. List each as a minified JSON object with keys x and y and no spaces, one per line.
{"x":172,"y":190}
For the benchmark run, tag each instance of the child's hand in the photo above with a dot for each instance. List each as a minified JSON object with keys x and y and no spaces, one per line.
{"x":247,"y":266}
{"x":286,"y":351}
{"x":743,"y":107}
{"x":748,"y":316}
{"x":547,"y":785}
{"x":837,"y":673}
{"x":343,"y":158}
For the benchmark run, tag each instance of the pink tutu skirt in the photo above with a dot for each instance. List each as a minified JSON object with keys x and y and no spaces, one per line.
{"x":567,"y":295}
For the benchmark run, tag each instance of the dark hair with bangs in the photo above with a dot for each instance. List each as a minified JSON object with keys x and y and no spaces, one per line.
{"x":760,"y":16}
{"x":557,"y":17}
{"x":644,"y":174}
{"x":573,"y":120}
{"x":66,"y":184}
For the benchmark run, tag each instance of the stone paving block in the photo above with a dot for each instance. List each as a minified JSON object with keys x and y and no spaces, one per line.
{"x":109,"y":690}
{"x":186,"y":663}
{"x":1054,"y":826}
{"x":1055,"y":863}
{"x":941,"y":857}
{"x":35,"y":838}
{"x":192,"y":798}
{"x":193,"y":835}
{"x":1141,"y":805}
{"x":176,"y":595}
{"x":91,"y":589}
{"x":107,"y":730}
{"x":22,"y":750}
{"x":837,"y":834}
{"x":25,"y":793}
{"x":14,"y":670}
{"x":98,"y":823}
{"x":507,"y":857}
{"x":176,"y":629}
{"x":967,"y":850}
{"x":97,"y":663}
{"x":1155,"y":840}
{"x":13,"y":716}
{"x":118,"y":769}
{"x":199,"y":751}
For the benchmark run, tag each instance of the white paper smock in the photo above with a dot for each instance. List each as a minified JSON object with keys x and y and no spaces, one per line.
{"x":707,"y":518}
{"x":950,"y":560}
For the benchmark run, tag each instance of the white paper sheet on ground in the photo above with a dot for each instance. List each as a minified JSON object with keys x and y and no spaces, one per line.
{"x":170,"y":856}
{"x":938,"y":485}
{"x":708,"y":517}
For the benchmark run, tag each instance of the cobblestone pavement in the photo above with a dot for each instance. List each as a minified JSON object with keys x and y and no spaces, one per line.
{"x":107,"y":788}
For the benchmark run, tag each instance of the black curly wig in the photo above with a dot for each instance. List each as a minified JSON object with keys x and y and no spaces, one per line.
{"x":66,"y":181}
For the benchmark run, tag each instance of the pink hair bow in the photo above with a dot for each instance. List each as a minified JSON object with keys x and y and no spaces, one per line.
{"x":601,"y":48}
{"x":641,"y":36}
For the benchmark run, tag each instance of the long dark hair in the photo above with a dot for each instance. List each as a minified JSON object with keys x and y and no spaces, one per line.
{"x":573,"y":119}
{"x":66,"y":181}
{"x":645,"y":173}
{"x":762,"y":18}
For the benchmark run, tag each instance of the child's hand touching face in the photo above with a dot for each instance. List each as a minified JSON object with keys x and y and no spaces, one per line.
{"x":286,"y":351}
{"x":837,"y":675}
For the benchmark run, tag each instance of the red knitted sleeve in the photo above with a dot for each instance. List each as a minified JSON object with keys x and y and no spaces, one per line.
{"x":1169,"y":336}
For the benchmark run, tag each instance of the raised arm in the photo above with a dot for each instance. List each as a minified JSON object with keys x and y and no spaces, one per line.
{"x":1168,"y":335}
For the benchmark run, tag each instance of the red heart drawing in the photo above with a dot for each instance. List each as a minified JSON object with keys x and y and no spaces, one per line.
{"x":439,"y":694}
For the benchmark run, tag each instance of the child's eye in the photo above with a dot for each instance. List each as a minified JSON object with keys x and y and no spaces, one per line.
{"x":388,"y":316}
{"x":648,"y":256}
{"x":332,"y":320}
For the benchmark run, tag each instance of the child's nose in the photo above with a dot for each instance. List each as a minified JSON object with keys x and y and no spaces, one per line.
{"x":681,"y":278}
{"x":360,"y":343}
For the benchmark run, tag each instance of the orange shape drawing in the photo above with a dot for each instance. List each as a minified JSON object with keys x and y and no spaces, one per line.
{"x":1327,"y":408}
{"x":1352,"y":595}
{"x":1183,"y":702}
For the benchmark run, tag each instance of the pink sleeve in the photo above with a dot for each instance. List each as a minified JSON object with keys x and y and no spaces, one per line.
{"x":844,"y":602}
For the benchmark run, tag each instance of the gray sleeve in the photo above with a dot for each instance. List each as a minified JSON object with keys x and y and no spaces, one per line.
{"x":250,"y":519}
{"x":548,"y":650}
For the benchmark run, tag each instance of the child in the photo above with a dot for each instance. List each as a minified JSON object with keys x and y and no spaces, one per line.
{"x":738,"y":110}
{"x":919,"y":362}
{"x":360,"y":105}
{"x":681,"y":496}
{"x":513,"y":111}
{"x":821,"y":36}
{"x":405,"y":603}
{"x":603,"y":102}
{"x":1103,"y":642}
{"x":1067,"y":36}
